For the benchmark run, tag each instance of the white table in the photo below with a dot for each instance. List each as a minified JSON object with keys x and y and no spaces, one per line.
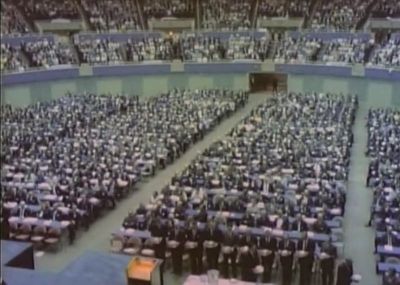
{"x":196,"y":280}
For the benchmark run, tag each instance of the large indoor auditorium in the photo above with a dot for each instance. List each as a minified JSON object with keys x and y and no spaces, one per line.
{"x":200,"y":142}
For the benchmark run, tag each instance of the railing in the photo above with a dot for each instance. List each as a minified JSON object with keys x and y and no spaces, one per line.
{"x":220,"y":67}
{"x":222,"y":61}
{"x":328,"y":36}
{"x":36,"y":69}
{"x":119,"y":37}
{"x":224,"y":35}
{"x":16,"y":40}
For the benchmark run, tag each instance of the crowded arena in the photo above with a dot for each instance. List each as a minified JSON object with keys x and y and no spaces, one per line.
{"x":199,"y":142}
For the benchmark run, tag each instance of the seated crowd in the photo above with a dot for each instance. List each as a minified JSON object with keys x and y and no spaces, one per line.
{"x":338,"y":15}
{"x":65,"y":161}
{"x":383,"y":148}
{"x":46,"y":53}
{"x":274,"y":8}
{"x":11,"y":59}
{"x":226,"y":14}
{"x":387,"y":54}
{"x":11,"y":22}
{"x":48,"y":9}
{"x":386,"y":8}
{"x":275,"y":186}
{"x":207,"y":49}
{"x":122,"y":15}
{"x":169,"y":8}
{"x":150,"y":49}
{"x":112,"y":15}
{"x":99,"y":51}
{"x":346,"y":51}
{"x":297,"y":50}
{"x":279,"y":8}
{"x":298,"y":8}
{"x":201,"y":49}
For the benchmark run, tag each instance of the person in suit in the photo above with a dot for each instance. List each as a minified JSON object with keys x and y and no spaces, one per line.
{"x":248,"y":220}
{"x":327,"y":263}
{"x":5,"y":225}
{"x":268,"y":246}
{"x":196,"y":252}
{"x":320,"y":226}
{"x":46,"y":212}
{"x":212,"y":234}
{"x":22,"y":210}
{"x":158,"y":230}
{"x":88,"y":209}
{"x":129,"y":221}
{"x":265,"y":221}
{"x":74,"y":218}
{"x":274,"y":86}
{"x":175,"y":234}
{"x":32,"y":199}
{"x":285,"y":226}
{"x":70,"y":200}
{"x":345,"y":272}
{"x":299,"y":225}
{"x":141,"y":210}
{"x":248,"y":260}
{"x":287,"y":249}
{"x":390,"y":277}
{"x":305,"y":249}
{"x":246,"y":239}
{"x":202,"y":215}
{"x":229,"y":251}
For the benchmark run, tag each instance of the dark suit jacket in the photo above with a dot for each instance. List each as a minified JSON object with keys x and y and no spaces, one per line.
{"x":214,"y":235}
{"x":230,"y":240}
{"x":266,"y":222}
{"x":287,"y":261}
{"x":321,"y":228}
{"x":156,"y":229}
{"x":244,"y":240}
{"x":329,"y":263}
{"x":193,"y":235}
{"x":270,"y":243}
{"x":249,"y":260}
{"x":344,"y":273}
{"x":285,"y":225}
{"x":309,"y":245}
{"x":177,"y":235}
{"x":295,"y":226}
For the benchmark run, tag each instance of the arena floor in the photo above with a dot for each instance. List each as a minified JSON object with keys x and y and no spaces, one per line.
{"x":358,"y":238}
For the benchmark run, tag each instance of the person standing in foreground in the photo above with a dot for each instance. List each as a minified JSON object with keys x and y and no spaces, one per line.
{"x":328,"y":256}
{"x":275,"y":86}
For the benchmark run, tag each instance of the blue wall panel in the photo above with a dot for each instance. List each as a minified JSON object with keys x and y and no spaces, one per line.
{"x":42,"y":75}
{"x":378,"y":73}
{"x":137,"y":69}
{"x":313,"y":69}
{"x":222,"y":67}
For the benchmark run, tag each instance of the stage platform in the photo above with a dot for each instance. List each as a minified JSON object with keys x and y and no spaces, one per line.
{"x":21,"y":276}
{"x":95,"y":268}
{"x":17,"y":254}
{"x":91,"y":268}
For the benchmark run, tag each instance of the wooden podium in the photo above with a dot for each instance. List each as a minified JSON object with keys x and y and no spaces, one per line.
{"x":144,"y":271}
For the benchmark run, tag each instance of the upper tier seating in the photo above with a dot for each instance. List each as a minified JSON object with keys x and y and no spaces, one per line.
{"x":112,"y":15}
{"x":48,"y":9}
{"x":226,"y":14}
{"x":169,"y":8}
{"x":11,"y":22}
{"x":339,"y":15}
